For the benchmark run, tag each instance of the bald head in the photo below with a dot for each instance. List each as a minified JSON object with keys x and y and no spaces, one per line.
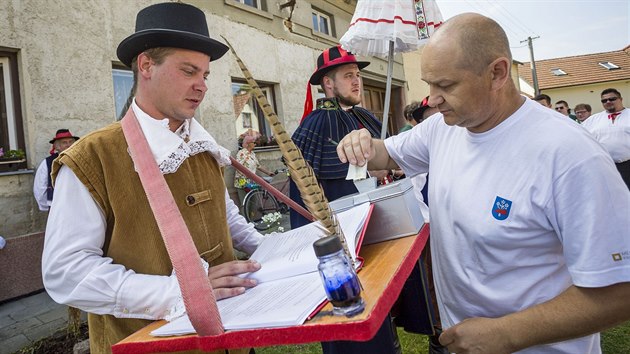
{"x":477,"y":40}
{"x":467,"y":64}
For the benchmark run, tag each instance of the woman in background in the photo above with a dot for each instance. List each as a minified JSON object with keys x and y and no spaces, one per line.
{"x":247,"y":157}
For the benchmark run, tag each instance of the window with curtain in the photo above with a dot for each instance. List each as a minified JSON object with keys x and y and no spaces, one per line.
{"x":247,"y":112}
{"x":13,"y":155}
{"x":322,"y":22}
{"x":123,"y":82}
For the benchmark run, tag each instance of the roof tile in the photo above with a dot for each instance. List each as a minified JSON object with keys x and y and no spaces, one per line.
{"x":580,"y":69}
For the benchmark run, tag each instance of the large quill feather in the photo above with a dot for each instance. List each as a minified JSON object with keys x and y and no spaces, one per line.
{"x":301,"y":172}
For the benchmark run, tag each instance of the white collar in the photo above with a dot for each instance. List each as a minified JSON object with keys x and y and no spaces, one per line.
{"x":170,"y":149}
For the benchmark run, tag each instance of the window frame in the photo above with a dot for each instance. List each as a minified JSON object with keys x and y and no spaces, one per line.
{"x":258,"y":4}
{"x":11,"y":128}
{"x":609,"y":65}
{"x":558,"y":72}
{"x":269,"y":89}
{"x":120,"y":69}
{"x":329,"y":19}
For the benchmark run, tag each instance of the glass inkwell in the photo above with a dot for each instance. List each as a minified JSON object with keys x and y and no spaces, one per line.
{"x":339,"y":277}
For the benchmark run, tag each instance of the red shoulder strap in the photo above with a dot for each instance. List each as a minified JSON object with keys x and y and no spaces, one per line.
{"x":199,"y":299}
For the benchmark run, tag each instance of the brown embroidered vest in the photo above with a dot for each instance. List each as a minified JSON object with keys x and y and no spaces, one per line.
{"x":102,"y":163}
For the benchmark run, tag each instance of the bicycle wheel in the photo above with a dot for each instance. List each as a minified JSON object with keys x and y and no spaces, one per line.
{"x":258,"y":203}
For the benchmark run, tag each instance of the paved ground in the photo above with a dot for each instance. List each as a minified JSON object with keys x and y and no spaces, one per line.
{"x":34,"y":317}
{"x":28,"y":319}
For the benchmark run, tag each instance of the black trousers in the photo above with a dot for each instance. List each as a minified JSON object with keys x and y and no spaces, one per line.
{"x":624,"y":170}
{"x":385,"y":341}
{"x":415,"y":315}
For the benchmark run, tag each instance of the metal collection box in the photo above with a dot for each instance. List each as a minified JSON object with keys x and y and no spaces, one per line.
{"x":396,"y":211}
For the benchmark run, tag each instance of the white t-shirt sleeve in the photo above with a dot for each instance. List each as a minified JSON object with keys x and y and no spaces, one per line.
{"x":597,"y":252}
{"x":40,"y":185}
{"x":76,"y":273}
{"x":409,"y":149}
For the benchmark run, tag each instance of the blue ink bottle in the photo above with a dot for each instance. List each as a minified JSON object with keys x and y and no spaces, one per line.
{"x":338,"y":276}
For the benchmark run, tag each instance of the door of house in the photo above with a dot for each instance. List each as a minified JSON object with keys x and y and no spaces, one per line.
{"x":374,"y":101}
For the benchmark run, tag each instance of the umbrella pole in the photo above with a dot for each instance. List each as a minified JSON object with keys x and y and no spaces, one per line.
{"x":388,"y":89}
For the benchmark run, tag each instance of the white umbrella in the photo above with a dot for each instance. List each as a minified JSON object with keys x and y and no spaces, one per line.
{"x":384,"y":27}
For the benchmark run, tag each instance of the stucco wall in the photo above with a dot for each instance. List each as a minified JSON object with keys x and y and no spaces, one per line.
{"x":19,"y":214}
{"x":416,"y":88}
{"x":65,"y":59}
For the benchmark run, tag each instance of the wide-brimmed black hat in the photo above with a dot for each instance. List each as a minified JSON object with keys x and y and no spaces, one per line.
{"x":332,"y":58}
{"x":170,"y":24}
{"x":62,"y":134}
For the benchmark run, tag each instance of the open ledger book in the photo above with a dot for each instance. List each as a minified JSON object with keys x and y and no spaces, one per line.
{"x":289,"y":288}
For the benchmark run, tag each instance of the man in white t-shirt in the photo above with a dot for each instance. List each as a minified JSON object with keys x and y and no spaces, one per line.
{"x":611,"y":128}
{"x":529,"y":218}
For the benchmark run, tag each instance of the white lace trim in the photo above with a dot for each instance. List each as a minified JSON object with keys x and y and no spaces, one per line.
{"x":184,"y":151}
{"x":179,"y":309}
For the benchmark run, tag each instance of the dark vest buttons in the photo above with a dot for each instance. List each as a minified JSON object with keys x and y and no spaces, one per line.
{"x":190,"y":199}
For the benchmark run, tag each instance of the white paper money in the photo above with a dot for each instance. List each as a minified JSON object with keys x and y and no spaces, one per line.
{"x":357,"y":172}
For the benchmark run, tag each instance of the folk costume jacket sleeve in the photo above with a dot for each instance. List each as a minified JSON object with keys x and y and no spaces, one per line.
{"x":98,"y":286}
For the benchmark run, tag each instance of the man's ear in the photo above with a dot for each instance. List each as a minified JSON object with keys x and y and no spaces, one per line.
{"x":327,"y":82}
{"x":500,"y":72}
{"x":145,"y":63}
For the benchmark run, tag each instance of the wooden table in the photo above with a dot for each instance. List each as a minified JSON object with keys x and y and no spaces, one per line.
{"x":387,"y":266}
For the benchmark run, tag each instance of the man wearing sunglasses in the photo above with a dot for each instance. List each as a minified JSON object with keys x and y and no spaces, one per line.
{"x":611,"y":128}
{"x":563,"y":107}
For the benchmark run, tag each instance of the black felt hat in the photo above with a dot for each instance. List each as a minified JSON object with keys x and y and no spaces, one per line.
{"x":170,"y":24}
{"x":332,"y":58}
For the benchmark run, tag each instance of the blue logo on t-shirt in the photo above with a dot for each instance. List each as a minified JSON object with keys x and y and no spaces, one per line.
{"x":501,"y":208}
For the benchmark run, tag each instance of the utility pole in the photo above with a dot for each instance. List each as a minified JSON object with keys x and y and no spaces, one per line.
{"x":533,"y":63}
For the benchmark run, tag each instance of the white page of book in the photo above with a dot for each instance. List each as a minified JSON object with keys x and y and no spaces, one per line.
{"x":279,"y":301}
{"x":292,"y":253}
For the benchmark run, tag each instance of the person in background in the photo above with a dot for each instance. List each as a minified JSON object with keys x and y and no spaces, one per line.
{"x":582,"y":111}
{"x":544,"y":100}
{"x":42,"y":185}
{"x":517,"y":267}
{"x":563,"y":107}
{"x":420,"y":181}
{"x":103,"y":250}
{"x":411,"y":122}
{"x":247,"y":157}
{"x":611,"y":128}
{"x":338,"y":72}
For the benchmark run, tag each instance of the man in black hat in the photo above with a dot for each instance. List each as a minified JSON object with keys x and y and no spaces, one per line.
{"x":104,"y":252}
{"x":42,"y":186}
{"x":339,"y":74}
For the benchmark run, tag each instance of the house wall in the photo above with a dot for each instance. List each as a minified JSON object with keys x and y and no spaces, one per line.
{"x":416,"y":88}
{"x":590,"y":94}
